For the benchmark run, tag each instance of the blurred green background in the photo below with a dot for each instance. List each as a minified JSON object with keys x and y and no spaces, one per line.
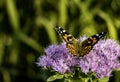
{"x":26,"y":29}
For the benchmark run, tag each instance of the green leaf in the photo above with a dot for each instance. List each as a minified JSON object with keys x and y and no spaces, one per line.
{"x":54,"y":77}
{"x":85,"y":79}
{"x":118,"y":69}
{"x":106,"y":79}
{"x":93,"y":79}
{"x":67,"y":75}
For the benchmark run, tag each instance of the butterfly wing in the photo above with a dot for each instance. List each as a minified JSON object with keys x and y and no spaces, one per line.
{"x":74,"y":46}
{"x":88,"y":44}
{"x":71,"y":42}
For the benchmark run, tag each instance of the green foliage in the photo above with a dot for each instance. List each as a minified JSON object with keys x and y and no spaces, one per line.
{"x":26,"y":28}
{"x":106,"y":79}
{"x":67,"y":77}
{"x":54,"y":77}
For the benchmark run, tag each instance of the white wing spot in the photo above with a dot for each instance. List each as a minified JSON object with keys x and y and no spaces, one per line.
{"x":64,"y":31}
{"x":59,"y":27}
{"x":97,"y":34}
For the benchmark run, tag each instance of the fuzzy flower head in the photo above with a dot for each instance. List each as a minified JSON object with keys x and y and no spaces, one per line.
{"x":101,"y":60}
{"x":57,"y":58}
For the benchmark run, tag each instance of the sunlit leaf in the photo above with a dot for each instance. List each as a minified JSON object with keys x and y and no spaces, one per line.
{"x":106,"y":79}
{"x":54,"y":77}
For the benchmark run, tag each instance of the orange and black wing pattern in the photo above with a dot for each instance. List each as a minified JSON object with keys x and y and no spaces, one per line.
{"x":76,"y":47}
{"x":71,"y":42}
{"x":88,"y":44}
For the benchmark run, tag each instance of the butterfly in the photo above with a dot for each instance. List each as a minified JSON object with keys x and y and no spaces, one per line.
{"x":75,"y":46}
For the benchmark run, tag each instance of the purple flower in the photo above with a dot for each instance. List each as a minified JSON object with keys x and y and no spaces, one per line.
{"x":101,"y":60}
{"x":57,"y":58}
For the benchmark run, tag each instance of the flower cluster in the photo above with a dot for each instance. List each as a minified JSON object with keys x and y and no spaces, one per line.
{"x":102,"y":59}
{"x":57,"y":58}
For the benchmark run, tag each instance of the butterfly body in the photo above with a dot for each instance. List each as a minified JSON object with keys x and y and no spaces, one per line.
{"x":74,"y":46}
